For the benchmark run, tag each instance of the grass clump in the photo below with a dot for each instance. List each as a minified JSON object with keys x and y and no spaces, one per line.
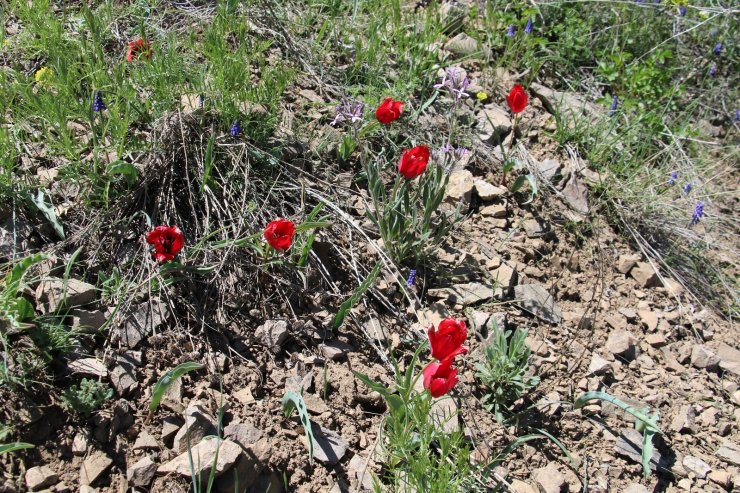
{"x":87,"y":397}
{"x":503,"y":370}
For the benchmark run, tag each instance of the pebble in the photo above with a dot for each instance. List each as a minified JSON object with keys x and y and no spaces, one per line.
{"x":142,"y":472}
{"x":685,"y":420}
{"x":645,"y":275}
{"x":696,"y":465}
{"x":40,"y":477}
{"x":703,"y":358}
{"x":93,"y":467}
{"x":549,"y":479}
{"x":621,"y":343}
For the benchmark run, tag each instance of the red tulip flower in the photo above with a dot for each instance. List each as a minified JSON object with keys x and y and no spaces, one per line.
{"x":517,"y":99}
{"x":279,"y":234}
{"x":389,"y":111}
{"x":138,"y":48}
{"x":413,"y":162}
{"x":447,"y":340}
{"x":439,"y":378}
{"x":167,"y":241}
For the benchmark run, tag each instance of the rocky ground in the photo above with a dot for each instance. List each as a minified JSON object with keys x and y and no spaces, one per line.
{"x":598,"y":314}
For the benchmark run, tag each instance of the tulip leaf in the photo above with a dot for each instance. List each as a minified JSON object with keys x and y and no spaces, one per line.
{"x":645,"y":422}
{"x":293,"y":400}
{"x":519,"y":183}
{"x":6,"y":448}
{"x":49,"y":213}
{"x":168,"y":379}
{"x":128,"y":170}
{"x":394,"y":401}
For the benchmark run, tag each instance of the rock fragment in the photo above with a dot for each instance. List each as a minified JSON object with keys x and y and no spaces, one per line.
{"x":487,"y":192}
{"x":645,"y":275}
{"x":703,"y":358}
{"x":141,"y":473}
{"x":729,"y":452}
{"x":535,"y":299}
{"x":53,"y":294}
{"x":93,"y":467}
{"x":696,"y":465}
{"x":685,"y":420}
{"x":335,"y":350}
{"x":40,"y":477}
{"x":549,"y":479}
{"x":460,"y":186}
{"x":621,"y":343}
{"x":629,"y":444}
{"x":203,"y":455}
{"x":464,"y":294}
{"x":139,"y":322}
{"x":273,"y":333}
{"x":598,"y":365}
{"x":88,"y":366}
{"x":328,"y":446}
{"x":494,"y":123}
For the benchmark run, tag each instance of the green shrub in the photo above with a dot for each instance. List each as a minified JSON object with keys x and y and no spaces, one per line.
{"x":87,"y":397}
{"x":503,"y":370}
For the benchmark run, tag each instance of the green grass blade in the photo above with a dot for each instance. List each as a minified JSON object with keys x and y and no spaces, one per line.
{"x":355,"y":297}
{"x":6,"y":448}
{"x":168,"y":379}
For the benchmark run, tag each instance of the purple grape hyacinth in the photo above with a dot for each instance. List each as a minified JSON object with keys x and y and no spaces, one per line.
{"x":412,"y":278}
{"x":98,"y":103}
{"x":615,"y":103}
{"x":718,"y":49}
{"x":682,"y":11}
{"x":511,"y":31}
{"x":529,"y":27}
{"x":235,"y":129}
{"x":673,"y":178}
{"x":712,"y":71}
{"x":687,"y":188}
{"x":350,"y":111}
{"x":698,"y":212}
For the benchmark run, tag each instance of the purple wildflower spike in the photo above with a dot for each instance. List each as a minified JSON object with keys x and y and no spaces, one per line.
{"x":673,"y":178}
{"x":687,"y":188}
{"x":529,"y":27}
{"x":98,"y":103}
{"x":412,"y":278}
{"x":698,"y":212}
{"x":511,"y":32}
{"x":235,"y":129}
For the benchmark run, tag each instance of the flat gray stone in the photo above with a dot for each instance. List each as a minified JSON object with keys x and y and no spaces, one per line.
{"x":273,"y":333}
{"x":94,"y":467}
{"x":464,"y":294}
{"x":88,"y":366}
{"x":328,"y":446}
{"x":629,"y":444}
{"x":142,"y":472}
{"x":53,"y":294}
{"x":138,"y":323}
{"x":40,"y":477}
{"x":203,"y":456}
{"x":535,"y":299}
{"x":729,"y":452}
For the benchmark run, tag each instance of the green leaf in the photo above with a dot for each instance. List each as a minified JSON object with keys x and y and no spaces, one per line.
{"x":394,"y":401}
{"x":12,"y":447}
{"x":128,"y":170}
{"x":510,"y":448}
{"x":293,"y":400}
{"x":650,"y":423}
{"x":520,"y":181}
{"x":168,"y":379}
{"x":49,"y":213}
{"x":355,"y":297}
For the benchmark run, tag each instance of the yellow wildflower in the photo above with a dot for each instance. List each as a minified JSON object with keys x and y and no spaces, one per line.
{"x":44,"y":74}
{"x":481,"y":95}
